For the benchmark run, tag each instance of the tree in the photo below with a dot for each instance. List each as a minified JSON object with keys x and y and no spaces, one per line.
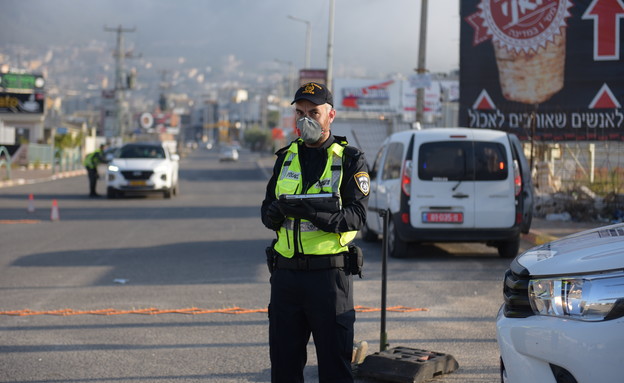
{"x":258,"y":139}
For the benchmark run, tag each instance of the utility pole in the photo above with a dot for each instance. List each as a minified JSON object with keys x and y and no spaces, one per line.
{"x":164,"y":88}
{"x":422,"y":50}
{"x":121,"y":81}
{"x":330,"y":46}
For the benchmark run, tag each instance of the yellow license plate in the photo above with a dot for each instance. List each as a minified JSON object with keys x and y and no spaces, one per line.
{"x":137,"y":183}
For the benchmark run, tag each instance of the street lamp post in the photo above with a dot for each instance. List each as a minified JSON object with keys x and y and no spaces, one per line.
{"x":422,"y":50}
{"x":330,"y":46}
{"x":308,"y":38}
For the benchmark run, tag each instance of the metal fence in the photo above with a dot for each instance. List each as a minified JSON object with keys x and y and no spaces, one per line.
{"x":567,"y":165}
{"x":68,"y":159}
{"x":39,"y":154}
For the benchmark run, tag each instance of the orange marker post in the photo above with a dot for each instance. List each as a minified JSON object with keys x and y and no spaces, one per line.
{"x":54,"y":214}
{"x":31,"y":203}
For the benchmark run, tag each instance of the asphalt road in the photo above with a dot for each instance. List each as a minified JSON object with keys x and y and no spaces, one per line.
{"x":202,"y":252}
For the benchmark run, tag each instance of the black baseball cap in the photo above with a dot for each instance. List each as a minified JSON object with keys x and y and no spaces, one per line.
{"x":314,"y":92}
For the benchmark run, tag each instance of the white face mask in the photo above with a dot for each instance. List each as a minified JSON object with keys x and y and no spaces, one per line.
{"x":310,"y":130}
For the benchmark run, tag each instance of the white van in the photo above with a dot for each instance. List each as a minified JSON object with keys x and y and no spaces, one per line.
{"x":451,"y":185}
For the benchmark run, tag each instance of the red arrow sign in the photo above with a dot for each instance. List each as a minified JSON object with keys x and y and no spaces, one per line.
{"x":606,"y":15}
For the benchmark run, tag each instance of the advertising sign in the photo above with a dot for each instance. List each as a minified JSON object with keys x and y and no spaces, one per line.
{"x":21,"y":103}
{"x":21,"y":82}
{"x":548,"y":68}
{"x":394,"y":96}
{"x":366,"y":95}
{"x":312,"y":75}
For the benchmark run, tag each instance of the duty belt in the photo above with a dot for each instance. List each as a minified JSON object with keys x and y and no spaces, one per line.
{"x":311,"y":262}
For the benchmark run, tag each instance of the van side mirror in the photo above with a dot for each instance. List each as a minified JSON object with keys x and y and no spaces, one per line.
{"x":175,"y":157}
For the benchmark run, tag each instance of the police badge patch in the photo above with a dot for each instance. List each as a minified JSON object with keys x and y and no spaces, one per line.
{"x":363,"y":182}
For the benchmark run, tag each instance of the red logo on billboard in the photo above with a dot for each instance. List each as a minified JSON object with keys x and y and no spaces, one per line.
{"x":520,"y":25}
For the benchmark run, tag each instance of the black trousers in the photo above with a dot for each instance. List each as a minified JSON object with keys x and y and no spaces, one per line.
{"x":93,"y":177}
{"x":320,"y":303}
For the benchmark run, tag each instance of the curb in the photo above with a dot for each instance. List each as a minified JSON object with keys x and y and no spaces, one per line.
{"x":24,"y":181}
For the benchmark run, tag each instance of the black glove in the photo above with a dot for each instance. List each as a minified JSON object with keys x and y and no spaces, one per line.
{"x":304,"y":210}
{"x":276,"y":217}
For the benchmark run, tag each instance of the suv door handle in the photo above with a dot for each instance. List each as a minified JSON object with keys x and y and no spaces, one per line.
{"x":460,"y":195}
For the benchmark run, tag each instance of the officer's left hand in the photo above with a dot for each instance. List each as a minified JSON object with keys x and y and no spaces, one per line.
{"x":276,"y":217}
{"x":305,"y":211}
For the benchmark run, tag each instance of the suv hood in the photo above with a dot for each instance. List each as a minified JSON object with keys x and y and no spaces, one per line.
{"x":590,"y":251}
{"x":137,"y":163}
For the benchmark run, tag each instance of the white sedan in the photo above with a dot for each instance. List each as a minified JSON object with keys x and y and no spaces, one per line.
{"x":563,"y":316}
{"x":142,"y":168}
{"x":228,"y":153}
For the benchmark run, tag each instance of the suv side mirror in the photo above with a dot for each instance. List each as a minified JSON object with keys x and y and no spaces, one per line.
{"x":175,"y":157}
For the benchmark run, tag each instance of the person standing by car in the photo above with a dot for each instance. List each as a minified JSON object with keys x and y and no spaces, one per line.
{"x":91,"y":162}
{"x":313,"y":259}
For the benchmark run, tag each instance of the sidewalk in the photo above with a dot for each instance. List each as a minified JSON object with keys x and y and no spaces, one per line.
{"x":25,"y":176}
{"x":543,"y":231}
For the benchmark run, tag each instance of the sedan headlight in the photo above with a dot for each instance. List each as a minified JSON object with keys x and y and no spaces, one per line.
{"x":588,"y":297}
{"x":113,"y":168}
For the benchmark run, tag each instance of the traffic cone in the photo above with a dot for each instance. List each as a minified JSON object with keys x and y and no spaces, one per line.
{"x":31,"y":203}
{"x":54,"y":214}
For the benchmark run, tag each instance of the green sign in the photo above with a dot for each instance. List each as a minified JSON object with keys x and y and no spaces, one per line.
{"x":20,"y":81}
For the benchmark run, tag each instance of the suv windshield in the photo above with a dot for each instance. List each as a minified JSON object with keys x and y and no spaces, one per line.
{"x":462,"y":161}
{"x":142,"y":151}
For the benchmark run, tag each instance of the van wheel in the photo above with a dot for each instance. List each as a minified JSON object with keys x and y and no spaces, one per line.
{"x":397,"y":247}
{"x":368,"y":235}
{"x":509,"y":249}
{"x":167,"y":193}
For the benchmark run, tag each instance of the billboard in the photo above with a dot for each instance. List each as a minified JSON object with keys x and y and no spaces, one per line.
{"x":394,"y":96}
{"x":312,"y":75}
{"x":548,"y":68}
{"x":21,"y":103}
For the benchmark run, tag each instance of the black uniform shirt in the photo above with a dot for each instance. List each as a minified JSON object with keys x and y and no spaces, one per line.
{"x":353,"y":188}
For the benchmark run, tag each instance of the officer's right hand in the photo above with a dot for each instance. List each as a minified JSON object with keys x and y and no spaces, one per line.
{"x":275,"y":215}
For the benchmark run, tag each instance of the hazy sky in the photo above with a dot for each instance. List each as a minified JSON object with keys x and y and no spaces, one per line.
{"x":372,"y":37}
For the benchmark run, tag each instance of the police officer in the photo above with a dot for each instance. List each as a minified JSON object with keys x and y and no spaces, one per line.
{"x":91,"y":162}
{"x":313,"y":259}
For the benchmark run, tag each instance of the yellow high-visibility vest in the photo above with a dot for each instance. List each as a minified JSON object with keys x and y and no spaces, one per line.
{"x":90,"y":161}
{"x":302,"y":234}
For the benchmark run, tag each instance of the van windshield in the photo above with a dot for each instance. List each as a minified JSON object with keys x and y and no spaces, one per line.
{"x":462,"y":161}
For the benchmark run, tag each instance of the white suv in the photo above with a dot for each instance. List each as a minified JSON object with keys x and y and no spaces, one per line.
{"x":451,"y":185}
{"x":142,"y":167}
{"x":563,"y":316}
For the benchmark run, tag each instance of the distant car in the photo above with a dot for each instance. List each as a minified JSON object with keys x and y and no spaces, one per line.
{"x":142,"y":168}
{"x":228,"y":154}
{"x":563,"y":316}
